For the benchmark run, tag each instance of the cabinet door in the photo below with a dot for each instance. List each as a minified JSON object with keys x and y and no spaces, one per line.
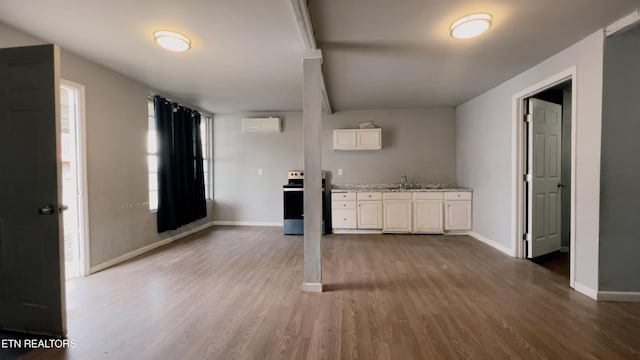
{"x":369,"y":139}
{"x":457,"y":215}
{"x":369,"y":214}
{"x":397,"y":216}
{"x":427,"y":217}
{"x":344,"y":139}
{"x":344,"y":218}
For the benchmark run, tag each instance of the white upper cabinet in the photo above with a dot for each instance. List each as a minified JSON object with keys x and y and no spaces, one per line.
{"x":344,"y":139}
{"x":369,"y":139}
{"x":357,"y":139}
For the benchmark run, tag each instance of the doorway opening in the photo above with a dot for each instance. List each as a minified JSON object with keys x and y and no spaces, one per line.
{"x":545,"y":174}
{"x":553,"y":217}
{"x":73,"y":179}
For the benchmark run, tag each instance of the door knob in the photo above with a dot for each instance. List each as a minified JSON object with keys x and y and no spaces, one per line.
{"x":47,"y":210}
{"x":560,"y":185}
{"x":62,"y":208}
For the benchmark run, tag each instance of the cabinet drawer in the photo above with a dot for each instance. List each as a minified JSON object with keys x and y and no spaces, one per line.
{"x":429,"y":195}
{"x":339,"y":204}
{"x":369,"y":196}
{"x":344,"y":218}
{"x":457,"y":195}
{"x":397,"y":196}
{"x":343,"y":196}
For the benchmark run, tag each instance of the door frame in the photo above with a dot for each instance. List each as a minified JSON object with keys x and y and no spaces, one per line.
{"x":518,"y":152}
{"x":81,"y":152}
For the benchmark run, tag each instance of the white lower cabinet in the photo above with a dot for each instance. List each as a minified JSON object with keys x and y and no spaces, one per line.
{"x":457,"y":211}
{"x":344,"y":218}
{"x":343,"y":211}
{"x":426,"y":212}
{"x":369,"y":210}
{"x":397,"y":212}
{"x":427,"y":217}
{"x":362,"y":210}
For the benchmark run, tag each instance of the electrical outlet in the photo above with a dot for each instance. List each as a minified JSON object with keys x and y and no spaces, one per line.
{"x":339,"y":172}
{"x":260,"y":172}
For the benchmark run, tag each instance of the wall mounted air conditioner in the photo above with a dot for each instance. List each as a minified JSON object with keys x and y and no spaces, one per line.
{"x":261,"y":125}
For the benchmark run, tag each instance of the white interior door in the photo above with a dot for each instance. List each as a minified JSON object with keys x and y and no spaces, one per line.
{"x":32,"y":276}
{"x":544,"y":192}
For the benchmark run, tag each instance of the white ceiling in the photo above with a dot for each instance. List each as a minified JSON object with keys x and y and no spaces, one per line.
{"x":246,"y":54}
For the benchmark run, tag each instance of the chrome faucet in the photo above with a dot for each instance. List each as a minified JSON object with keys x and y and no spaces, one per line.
{"x":403,"y":181}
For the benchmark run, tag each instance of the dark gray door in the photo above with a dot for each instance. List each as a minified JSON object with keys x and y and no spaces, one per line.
{"x":32,"y":294}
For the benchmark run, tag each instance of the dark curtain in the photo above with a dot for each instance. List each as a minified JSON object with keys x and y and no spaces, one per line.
{"x":181,"y":197}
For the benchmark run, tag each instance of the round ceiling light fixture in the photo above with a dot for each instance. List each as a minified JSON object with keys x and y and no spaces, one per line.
{"x":172,"y":40}
{"x":470,"y":26}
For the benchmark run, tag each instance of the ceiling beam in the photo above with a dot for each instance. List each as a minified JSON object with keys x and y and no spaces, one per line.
{"x":301,"y":11}
{"x":622,"y":24}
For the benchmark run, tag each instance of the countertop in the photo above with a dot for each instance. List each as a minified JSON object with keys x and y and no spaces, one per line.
{"x":342,"y":188}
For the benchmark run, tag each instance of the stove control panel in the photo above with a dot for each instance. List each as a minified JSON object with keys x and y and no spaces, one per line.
{"x":299,"y":174}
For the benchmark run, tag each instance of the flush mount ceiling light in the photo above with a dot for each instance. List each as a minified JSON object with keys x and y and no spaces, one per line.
{"x":172,"y":40}
{"x":470,"y":26}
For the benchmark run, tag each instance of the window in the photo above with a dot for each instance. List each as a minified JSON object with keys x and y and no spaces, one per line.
{"x":152,"y":155}
{"x":205,"y":137}
{"x":152,"y":158}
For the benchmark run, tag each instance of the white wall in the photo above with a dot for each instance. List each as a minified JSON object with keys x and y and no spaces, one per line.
{"x":119,"y":217}
{"x":419,"y":143}
{"x":240,"y":194}
{"x":116,"y":111}
{"x":485,"y":126}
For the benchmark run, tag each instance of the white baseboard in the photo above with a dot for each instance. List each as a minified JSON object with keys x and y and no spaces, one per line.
{"x":457,"y":232}
{"x":312,"y":287}
{"x":492,"y":243}
{"x":355,"y":231}
{"x":142,"y":250}
{"x":246,"y":223}
{"x":626,"y":296}
{"x":584,"y":289}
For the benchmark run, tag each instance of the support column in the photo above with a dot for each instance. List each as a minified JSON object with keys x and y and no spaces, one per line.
{"x":311,"y":120}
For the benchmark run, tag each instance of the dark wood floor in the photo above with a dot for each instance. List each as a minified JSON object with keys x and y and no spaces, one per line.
{"x":556,"y":262}
{"x":234,"y":293}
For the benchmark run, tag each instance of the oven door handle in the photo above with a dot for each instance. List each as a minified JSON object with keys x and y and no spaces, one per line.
{"x":293,"y":189}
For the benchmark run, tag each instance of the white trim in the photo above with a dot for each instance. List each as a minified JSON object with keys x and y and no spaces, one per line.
{"x":492,"y":243}
{"x":142,"y":250}
{"x":626,"y":296}
{"x":312,"y":287}
{"x":356,"y":231}
{"x":455,"y":232}
{"x":585,"y":290}
{"x":623,"y":23}
{"x":81,"y":154}
{"x":246,"y":223}
{"x":517,"y":151}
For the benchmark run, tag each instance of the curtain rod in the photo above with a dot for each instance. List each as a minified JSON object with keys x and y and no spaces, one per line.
{"x":153,"y":94}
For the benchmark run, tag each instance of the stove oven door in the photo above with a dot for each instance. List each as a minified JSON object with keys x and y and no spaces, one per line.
{"x":293,"y":210}
{"x":293,"y":203}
